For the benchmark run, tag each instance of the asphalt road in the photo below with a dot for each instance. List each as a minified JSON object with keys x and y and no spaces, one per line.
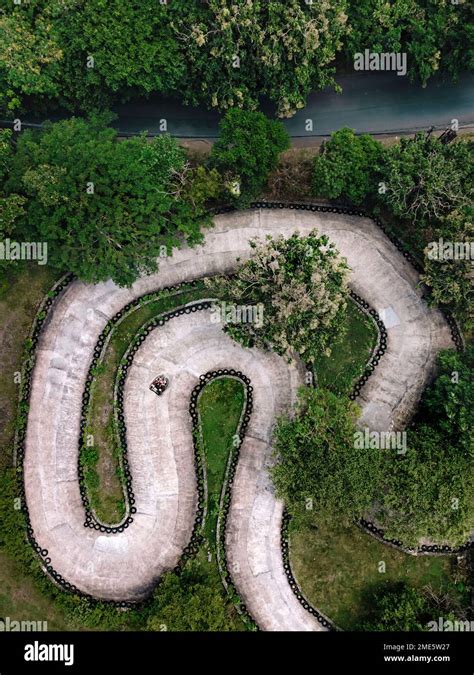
{"x":377,"y":103}
{"x":370,"y":102}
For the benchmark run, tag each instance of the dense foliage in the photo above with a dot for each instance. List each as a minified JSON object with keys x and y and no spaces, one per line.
{"x":451,"y":280}
{"x":238,"y":52}
{"x":433,"y":33}
{"x":12,"y":205}
{"x":426,"y":179}
{"x":348,"y":167}
{"x":246,"y":151}
{"x":449,"y":401}
{"x":429,"y":491}
{"x":398,"y":607}
{"x":189,"y":602}
{"x":426,"y":492}
{"x":318,"y":468}
{"x":223,"y":53}
{"x":424,"y":188}
{"x":106,"y":208}
{"x":301,"y":285}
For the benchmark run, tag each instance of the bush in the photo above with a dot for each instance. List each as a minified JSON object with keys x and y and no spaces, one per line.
{"x":300,"y":284}
{"x":246,"y":151}
{"x":427,"y":179}
{"x":451,"y":280}
{"x":449,"y":401}
{"x":397,"y":607}
{"x":348,"y":167}
{"x":190,"y":601}
{"x":317,"y":459}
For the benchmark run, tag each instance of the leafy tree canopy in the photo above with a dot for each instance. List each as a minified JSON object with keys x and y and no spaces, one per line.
{"x":246,"y":151}
{"x":87,"y":54}
{"x":301,"y":284}
{"x":429,"y":491}
{"x":317,"y":460}
{"x":30,"y":58}
{"x":11,"y":206}
{"x":435,"y":34}
{"x":106,"y":208}
{"x":348,"y":167}
{"x":427,"y":179}
{"x":451,"y":279}
{"x":449,"y":401}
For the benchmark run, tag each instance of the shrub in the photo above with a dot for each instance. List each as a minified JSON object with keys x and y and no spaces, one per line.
{"x":427,"y":179}
{"x":317,"y":460}
{"x":348,"y":167}
{"x":397,"y":607}
{"x":246,"y":151}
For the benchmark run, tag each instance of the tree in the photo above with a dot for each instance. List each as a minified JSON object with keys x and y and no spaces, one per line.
{"x":106,"y":208}
{"x":432,"y":33}
{"x":31,"y":60}
{"x":238,"y":52}
{"x":397,"y":607}
{"x":451,"y":279}
{"x":427,"y":179}
{"x":348,"y":167}
{"x":319,"y":466}
{"x":11,"y":206}
{"x":448,"y":403}
{"x":188,"y":602}
{"x":301,"y":285}
{"x":115,"y":49}
{"x":429,"y":491}
{"x":246,"y":151}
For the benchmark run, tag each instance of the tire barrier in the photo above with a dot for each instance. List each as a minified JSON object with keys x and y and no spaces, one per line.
{"x":90,"y":520}
{"x":226,"y":495}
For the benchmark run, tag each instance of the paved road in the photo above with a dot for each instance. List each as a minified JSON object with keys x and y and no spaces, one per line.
{"x":123,"y":566}
{"x":371,"y":102}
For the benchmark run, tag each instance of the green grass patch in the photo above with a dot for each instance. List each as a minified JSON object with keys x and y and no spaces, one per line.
{"x":337,"y":566}
{"x":22,"y":288}
{"x":341,"y":370}
{"x":220,"y":407}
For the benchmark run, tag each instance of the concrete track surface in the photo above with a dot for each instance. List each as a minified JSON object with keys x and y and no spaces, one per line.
{"x":124,"y":566}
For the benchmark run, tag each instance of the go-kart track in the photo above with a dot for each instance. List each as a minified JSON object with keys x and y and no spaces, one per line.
{"x":124,"y":566}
